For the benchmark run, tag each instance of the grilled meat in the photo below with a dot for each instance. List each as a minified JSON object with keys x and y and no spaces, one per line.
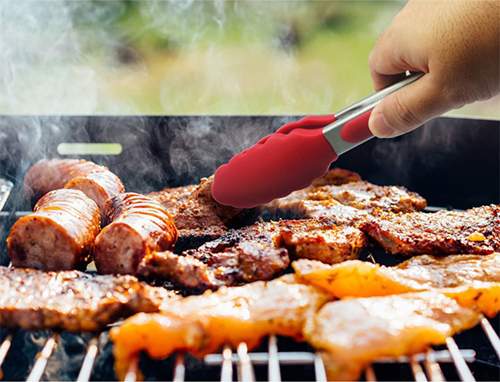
{"x":257,"y":252}
{"x":336,"y":176}
{"x":349,"y":203}
{"x":201,"y":324}
{"x":319,"y":239}
{"x":95,"y":181}
{"x":138,"y":226}
{"x":352,"y":333}
{"x":475,"y":231}
{"x":362,"y":279}
{"x":58,"y":235}
{"x":72,"y":300}
{"x":243,"y":263}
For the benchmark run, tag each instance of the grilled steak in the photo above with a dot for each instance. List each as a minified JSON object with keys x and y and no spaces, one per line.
{"x":71,"y":300}
{"x":349,"y":203}
{"x":201,"y":324}
{"x":352,"y":333}
{"x":139,"y":226}
{"x":475,"y":231}
{"x":363,"y":279}
{"x":95,"y":181}
{"x":257,"y":252}
{"x":58,"y":235}
{"x":197,"y":216}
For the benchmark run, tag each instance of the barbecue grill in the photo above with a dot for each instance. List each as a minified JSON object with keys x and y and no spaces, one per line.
{"x":452,"y":162}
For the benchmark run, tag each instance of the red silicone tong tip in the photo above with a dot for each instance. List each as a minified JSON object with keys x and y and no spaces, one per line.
{"x":273,"y":168}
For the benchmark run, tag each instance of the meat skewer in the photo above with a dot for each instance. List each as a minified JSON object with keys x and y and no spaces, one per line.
{"x":58,"y":235}
{"x":138,"y":226}
{"x":95,"y":181}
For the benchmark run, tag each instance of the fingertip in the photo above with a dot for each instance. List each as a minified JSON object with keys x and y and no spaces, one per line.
{"x":379,"y":126}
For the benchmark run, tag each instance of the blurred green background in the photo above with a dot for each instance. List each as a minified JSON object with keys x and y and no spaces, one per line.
{"x":191,"y":57}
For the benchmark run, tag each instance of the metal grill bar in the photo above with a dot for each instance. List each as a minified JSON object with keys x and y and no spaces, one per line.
{"x":132,"y":370}
{"x":319,"y":368}
{"x":88,"y":361}
{"x":226,"y":374}
{"x":432,"y":367}
{"x":417,"y":371}
{"x":42,"y":358}
{"x":491,"y":334}
{"x":370,"y":374}
{"x":245,"y":369}
{"x":462,"y":368}
{"x":180,"y":369}
{"x":274,"y":372}
{"x":4,"y":348}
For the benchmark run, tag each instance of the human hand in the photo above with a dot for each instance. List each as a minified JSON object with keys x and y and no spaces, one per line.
{"x":457,"y":45}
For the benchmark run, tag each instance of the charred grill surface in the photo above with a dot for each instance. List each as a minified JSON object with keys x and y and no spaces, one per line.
{"x":71,"y":300}
{"x":475,"y":231}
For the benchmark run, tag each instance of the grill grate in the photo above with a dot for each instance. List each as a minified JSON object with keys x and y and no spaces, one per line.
{"x":274,"y":359}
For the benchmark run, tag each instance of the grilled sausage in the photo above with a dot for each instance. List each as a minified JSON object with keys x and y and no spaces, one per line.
{"x":138,"y":226}
{"x":58,"y":235}
{"x":95,"y":181}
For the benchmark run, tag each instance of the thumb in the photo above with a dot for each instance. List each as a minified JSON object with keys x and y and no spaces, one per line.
{"x":408,"y":108}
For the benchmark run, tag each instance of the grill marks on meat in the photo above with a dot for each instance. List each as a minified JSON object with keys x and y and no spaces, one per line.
{"x":58,"y":235}
{"x":139,"y":225}
{"x":352,"y":333}
{"x":95,"y":181}
{"x":258,"y":252}
{"x":363,"y":279}
{"x":475,"y":231}
{"x":201,"y":324}
{"x":72,"y":300}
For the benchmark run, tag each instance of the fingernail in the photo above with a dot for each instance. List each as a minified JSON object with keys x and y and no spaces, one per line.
{"x":379,"y":126}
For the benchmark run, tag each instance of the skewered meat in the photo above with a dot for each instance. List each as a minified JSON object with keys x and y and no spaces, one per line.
{"x":362,"y":279}
{"x":201,"y":324}
{"x":257,"y":252}
{"x":475,"y":231}
{"x":58,"y":235}
{"x":72,"y":300}
{"x":95,"y":181}
{"x":354,"y":332}
{"x":139,"y":226}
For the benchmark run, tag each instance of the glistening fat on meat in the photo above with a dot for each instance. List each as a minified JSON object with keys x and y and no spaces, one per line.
{"x":138,"y":226}
{"x":95,"y":181}
{"x":58,"y":235}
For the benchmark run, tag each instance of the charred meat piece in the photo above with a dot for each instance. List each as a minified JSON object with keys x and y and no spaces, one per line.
{"x":363,"y":195}
{"x":353,"y":333}
{"x":258,"y":252}
{"x":197,"y":216}
{"x":336,"y":176}
{"x":201,"y":324}
{"x":243,"y":263}
{"x":72,"y":300}
{"x":138,"y":226}
{"x":475,"y":231}
{"x":58,"y":235}
{"x":320,"y":239}
{"x":363,"y":279}
{"x":95,"y":181}
{"x":349,"y":203}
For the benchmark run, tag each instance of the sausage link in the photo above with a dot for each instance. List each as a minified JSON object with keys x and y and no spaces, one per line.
{"x":58,"y":235}
{"x":95,"y":181}
{"x":138,"y":226}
